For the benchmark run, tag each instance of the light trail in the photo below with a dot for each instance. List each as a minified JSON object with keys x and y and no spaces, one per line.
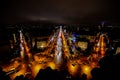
{"x":66,"y":50}
{"x":58,"y":52}
{"x":21,"y":45}
{"x":24,"y":47}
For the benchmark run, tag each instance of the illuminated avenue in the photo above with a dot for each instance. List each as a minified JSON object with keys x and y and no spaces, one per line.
{"x":70,"y":54}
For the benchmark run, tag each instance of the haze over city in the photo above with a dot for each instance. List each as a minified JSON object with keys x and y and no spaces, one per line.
{"x":59,"y":40}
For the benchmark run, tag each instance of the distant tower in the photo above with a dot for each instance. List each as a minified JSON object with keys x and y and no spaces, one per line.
{"x":102,"y":23}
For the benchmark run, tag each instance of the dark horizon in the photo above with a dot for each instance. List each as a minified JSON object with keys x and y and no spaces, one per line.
{"x":60,"y":12}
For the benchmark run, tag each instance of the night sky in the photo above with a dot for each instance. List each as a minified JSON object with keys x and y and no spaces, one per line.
{"x":59,"y":11}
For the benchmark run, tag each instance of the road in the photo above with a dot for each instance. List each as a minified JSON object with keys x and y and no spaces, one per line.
{"x":76,"y":65}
